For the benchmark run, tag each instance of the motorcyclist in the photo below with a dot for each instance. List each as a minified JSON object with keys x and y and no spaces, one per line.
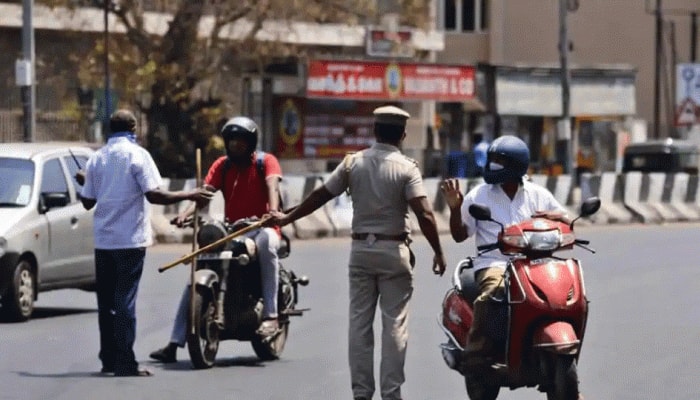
{"x":512,"y":198}
{"x":248,"y":191}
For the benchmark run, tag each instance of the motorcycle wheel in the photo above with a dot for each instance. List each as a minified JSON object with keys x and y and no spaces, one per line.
{"x":268,"y":351}
{"x":477,"y":389}
{"x":565,"y":379}
{"x":204,"y":342}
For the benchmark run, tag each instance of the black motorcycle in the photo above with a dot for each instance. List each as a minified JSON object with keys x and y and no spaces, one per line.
{"x":228,"y":296}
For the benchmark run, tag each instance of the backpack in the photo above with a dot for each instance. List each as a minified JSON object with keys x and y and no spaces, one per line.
{"x":259,"y":165}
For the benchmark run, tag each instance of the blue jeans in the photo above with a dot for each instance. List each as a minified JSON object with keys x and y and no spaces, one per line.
{"x":268,"y":242}
{"x":118,"y":275}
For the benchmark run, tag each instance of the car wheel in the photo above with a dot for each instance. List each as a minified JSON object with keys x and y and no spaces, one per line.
{"x":18,"y":305}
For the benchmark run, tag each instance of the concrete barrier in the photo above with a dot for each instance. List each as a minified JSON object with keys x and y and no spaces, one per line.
{"x":437,"y":202}
{"x":626,"y":198}
{"x":678,"y":197}
{"x":341,"y":214}
{"x":562,"y":188}
{"x":608,"y":186}
{"x":316,"y":224}
{"x":636,"y":196}
{"x":660,"y":186}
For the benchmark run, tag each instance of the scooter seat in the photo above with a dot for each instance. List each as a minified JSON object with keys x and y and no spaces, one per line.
{"x":469,"y":289}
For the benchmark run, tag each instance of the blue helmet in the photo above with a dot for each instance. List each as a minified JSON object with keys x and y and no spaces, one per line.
{"x":516,"y":159}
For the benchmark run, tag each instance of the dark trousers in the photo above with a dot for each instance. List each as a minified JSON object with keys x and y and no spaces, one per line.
{"x":118,"y":275}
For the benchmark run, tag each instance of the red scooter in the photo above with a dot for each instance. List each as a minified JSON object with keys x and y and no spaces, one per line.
{"x":539,"y":324}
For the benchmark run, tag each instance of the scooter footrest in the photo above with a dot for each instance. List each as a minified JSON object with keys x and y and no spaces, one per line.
{"x":298,"y":312}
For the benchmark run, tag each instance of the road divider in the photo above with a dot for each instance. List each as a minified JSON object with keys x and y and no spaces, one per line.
{"x":634,"y":197}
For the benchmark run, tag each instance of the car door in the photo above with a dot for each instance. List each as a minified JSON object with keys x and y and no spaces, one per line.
{"x":62,"y":263}
{"x":84,"y":228}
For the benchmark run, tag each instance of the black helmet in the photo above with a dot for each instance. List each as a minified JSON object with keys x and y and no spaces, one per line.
{"x":241,"y":127}
{"x":516,"y":159}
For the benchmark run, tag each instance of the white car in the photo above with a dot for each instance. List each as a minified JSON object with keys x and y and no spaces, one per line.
{"x":46,"y":236}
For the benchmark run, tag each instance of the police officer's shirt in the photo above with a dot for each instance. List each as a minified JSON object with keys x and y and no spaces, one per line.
{"x":381,"y":182}
{"x":528,"y":199}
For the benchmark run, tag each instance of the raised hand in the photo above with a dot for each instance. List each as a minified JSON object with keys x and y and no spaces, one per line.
{"x":453,"y":195}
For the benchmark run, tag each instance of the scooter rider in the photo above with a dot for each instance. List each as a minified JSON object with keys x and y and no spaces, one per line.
{"x":247,"y":193}
{"x":512,"y":198}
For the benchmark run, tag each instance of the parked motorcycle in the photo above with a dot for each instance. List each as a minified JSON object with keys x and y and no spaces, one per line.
{"x":539,"y":324}
{"x":228,"y":295}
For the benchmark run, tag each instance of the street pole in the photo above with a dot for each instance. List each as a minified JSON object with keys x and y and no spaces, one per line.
{"x":107,"y":99}
{"x":565,"y":122}
{"x":27,"y":83}
{"x":693,"y":37}
{"x":657,"y":71}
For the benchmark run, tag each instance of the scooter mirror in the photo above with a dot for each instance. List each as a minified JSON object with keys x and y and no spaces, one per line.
{"x":479,"y":212}
{"x":590,"y":206}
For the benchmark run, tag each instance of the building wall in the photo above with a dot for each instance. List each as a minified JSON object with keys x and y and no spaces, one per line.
{"x":601,"y":31}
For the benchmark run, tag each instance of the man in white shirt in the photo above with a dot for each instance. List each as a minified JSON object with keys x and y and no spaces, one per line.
{"x":118,"y":179}
{"x":511,"y":199}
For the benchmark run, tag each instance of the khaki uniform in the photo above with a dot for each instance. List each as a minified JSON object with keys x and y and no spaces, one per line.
{"x":381,"y":181}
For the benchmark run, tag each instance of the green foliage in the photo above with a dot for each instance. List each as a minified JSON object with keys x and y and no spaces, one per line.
{"x":176,"y":78}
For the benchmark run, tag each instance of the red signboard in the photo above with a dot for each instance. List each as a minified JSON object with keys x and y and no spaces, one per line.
{"x":369,"y":80}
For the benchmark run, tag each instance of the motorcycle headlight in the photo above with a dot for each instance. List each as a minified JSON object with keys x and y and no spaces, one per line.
{"x":543,"y":240}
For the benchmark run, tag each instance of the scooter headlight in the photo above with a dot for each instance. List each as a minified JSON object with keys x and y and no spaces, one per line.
{"x":543,"y":240}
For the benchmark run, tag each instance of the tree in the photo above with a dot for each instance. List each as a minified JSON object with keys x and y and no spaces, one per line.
{"x":175,"y":78}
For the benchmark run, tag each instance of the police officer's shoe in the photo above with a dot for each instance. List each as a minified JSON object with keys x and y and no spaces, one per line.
{"x":165,"y":355}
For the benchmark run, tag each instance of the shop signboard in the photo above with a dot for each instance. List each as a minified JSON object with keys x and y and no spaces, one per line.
{"x":389,"y":43}
{"x":687,"y":94}
{"x":389,"y":81}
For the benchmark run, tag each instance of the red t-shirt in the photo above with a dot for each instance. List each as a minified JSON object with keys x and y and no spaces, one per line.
{"x":245,"y":192}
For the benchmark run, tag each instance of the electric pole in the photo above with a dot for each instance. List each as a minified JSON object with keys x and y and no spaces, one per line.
{"x":657,"y":71}
{"x":564,"y":127}
{"x":25,"y":74}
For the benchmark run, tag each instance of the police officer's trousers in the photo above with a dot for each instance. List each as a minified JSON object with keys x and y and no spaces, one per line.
{"x":379,"y":272}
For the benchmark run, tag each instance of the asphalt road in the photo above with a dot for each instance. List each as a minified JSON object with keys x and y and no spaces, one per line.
{"x":642,"y":338}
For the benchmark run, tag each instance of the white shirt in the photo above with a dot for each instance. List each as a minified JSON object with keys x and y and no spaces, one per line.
{"x":527,"y":200}
{"x":118,"y":176}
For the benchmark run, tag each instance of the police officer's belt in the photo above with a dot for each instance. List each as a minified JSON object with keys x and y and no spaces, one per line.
{"x":362,"y":236}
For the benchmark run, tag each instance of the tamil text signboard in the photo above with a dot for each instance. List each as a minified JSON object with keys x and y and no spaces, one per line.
{"x":369,"y":80}
{"x":386,"y":43}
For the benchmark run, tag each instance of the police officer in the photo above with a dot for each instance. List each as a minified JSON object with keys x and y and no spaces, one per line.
{"x":383,"y":184}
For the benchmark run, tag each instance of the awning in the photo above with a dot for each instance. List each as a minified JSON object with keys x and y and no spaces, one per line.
{"x":473,"y":105}
{"x":538,"y":92}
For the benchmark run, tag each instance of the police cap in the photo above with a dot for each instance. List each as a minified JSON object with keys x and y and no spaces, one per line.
{"x":391,"y":115}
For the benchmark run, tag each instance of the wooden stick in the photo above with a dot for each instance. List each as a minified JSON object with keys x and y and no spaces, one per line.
{"x":195,"y":230}
{"x":224,"y":239}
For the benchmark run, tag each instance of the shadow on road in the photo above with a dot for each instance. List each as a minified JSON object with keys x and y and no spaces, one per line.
{"x":91,"y":374}
{"x":185,"y":364}
{"x":50,"y":312}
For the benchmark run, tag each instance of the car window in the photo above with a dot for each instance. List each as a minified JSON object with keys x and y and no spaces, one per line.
{"x":52,"y":179}
{"x":73,"y":167}
{"x":16,"y":178}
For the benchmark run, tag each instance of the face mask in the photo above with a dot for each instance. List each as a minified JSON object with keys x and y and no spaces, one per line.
{"x":494,"y":166}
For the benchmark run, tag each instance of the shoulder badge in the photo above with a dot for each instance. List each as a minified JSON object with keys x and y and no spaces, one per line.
{"x":412,"y":161}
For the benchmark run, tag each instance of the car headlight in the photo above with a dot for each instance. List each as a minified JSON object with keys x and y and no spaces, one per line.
{"x":3,"y":246}
{"x":543,"y":240}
